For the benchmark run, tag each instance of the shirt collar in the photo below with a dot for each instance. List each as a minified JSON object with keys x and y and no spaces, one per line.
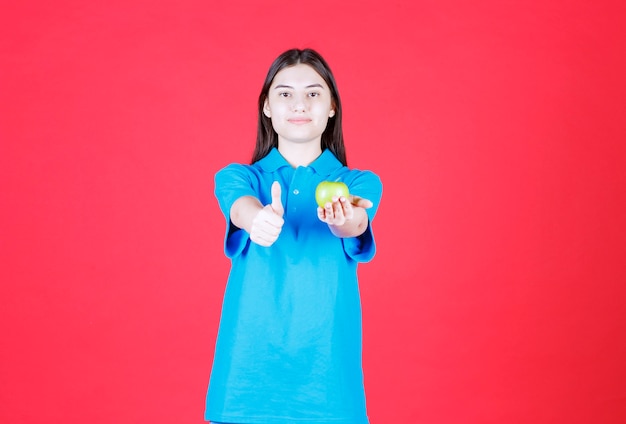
{"x":325,"y":163}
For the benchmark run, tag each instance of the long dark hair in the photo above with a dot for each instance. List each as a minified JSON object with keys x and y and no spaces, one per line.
{"x":332,"y":137}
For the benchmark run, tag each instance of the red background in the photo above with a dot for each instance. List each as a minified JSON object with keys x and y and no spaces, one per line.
{"x":497,"y":295}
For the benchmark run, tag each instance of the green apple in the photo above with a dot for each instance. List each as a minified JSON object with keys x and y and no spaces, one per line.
{"x":327,"y":189}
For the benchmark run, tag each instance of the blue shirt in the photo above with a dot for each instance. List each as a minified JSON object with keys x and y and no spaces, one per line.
{"x":289,"y":342}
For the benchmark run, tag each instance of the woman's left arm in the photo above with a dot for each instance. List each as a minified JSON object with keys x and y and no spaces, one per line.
{"x":346,"y":217}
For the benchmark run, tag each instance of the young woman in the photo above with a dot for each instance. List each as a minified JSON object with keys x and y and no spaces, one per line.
{"x":289,"y":344}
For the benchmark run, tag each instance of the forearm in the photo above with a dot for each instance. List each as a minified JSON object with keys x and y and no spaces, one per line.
{"x":243,"y":211}
{"x":352,"y":227}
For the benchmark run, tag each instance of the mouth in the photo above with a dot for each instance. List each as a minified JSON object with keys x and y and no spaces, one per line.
{"x":299,"y":121}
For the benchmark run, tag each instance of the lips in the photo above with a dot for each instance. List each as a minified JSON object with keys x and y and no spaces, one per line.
{"x":299,"y":121}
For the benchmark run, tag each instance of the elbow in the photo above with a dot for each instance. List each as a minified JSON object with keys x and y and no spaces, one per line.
{"x":361,"y":227}
{"x":236,"y":217}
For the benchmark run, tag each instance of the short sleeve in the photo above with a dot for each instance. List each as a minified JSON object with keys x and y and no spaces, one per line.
{"x":231,"y":183}
{"x":367,"y":185}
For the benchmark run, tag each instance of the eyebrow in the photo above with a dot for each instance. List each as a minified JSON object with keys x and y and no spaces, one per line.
{"x":308,"y":86}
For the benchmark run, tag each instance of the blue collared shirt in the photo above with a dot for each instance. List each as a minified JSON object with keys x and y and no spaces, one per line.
{"x":289,"y":342}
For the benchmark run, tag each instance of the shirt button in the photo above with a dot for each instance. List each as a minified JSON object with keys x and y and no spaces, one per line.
{"x":296,"y":191}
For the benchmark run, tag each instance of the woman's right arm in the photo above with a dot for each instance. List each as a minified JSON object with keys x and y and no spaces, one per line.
{"x":263,"y":223}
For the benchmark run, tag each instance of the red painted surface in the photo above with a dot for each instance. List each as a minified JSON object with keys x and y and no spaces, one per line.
{"x":497,"y":295}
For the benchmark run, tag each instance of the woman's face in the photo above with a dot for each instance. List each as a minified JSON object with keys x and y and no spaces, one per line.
{"x":299,"y":104}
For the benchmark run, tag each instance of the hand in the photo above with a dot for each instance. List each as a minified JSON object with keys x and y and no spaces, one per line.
{"x":268,"y":222}
{"x":341,"y":209}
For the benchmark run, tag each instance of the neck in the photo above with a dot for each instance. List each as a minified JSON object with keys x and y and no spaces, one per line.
{"x":299,"y":154}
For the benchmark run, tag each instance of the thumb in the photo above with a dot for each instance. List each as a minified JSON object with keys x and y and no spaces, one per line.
{"x":277,"y":204}
{"x":361,"y":202}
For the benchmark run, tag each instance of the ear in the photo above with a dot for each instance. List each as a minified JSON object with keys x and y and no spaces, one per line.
{"x":266,"y":108}
{"x":332,"y":113}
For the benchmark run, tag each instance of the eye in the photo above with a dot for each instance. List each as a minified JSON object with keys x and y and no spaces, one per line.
{"x":284,"y":94}
{"x":314,"y":94}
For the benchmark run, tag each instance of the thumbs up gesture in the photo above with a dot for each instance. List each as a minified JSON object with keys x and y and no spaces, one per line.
{"x":268,"y":222}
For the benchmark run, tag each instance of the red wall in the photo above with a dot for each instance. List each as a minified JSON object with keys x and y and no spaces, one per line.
{"x":498,"y":128}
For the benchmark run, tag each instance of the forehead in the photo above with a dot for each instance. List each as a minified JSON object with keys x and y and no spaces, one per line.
{"x":299,"y":75}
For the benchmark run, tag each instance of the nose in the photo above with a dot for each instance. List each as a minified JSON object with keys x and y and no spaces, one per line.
{"x":299,"y":104}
